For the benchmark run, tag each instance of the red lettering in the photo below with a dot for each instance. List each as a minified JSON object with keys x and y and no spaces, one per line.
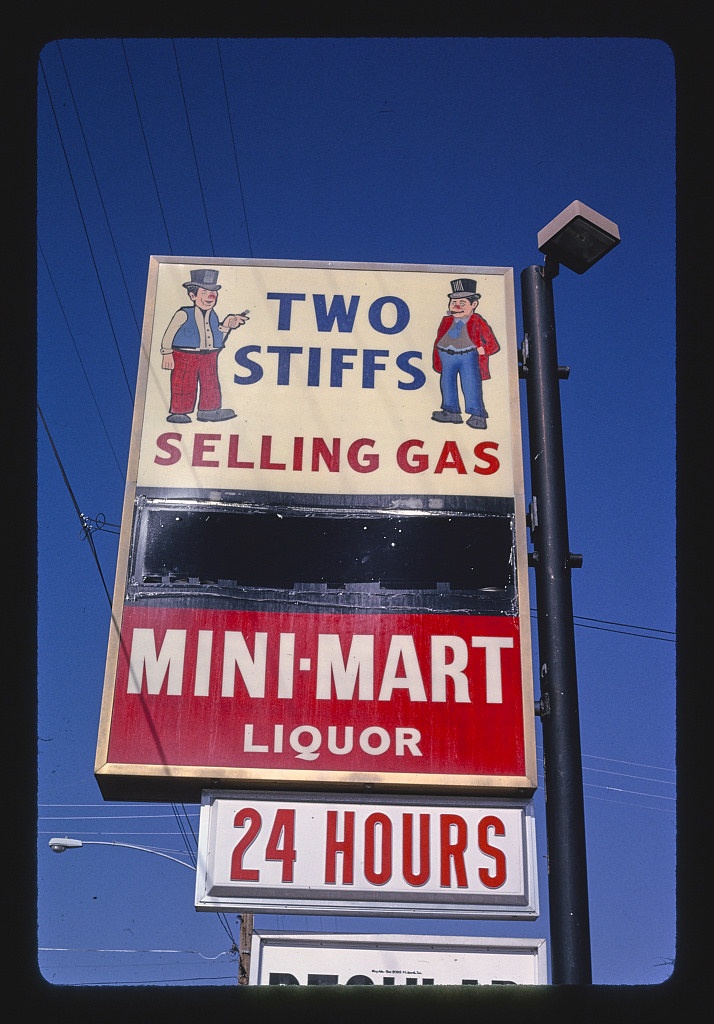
{"x":410,"y":876}
{"x":298,"y":444}
{"x":265,"y":463}
{"x":450,"y":458}
{"x":320,"y":450}
{"x":370,"y":827}
{"x":346,"y":846}
{"x":164,"y":442}
{"x":201,"y":444}
{"x":499,"y":876}
{"x":453,"y":850}
{"x":233,"y":462}
{"x":238,"y":872}
{"x":412,"y":463}
{"x":366,"y":463}
{"x":492,"y":463}
{"x":283,"y":828}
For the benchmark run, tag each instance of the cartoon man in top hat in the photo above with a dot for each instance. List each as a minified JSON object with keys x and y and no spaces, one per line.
{"x":462,"y":348}
{"x":190,"y":348}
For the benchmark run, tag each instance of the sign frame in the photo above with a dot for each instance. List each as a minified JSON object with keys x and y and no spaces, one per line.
{"x":141,"y":775}
{"x":406,"y":959}
{"x":476,"y":858}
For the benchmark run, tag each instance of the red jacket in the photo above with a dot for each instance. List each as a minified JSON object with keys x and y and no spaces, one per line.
{"x":481,"y":335}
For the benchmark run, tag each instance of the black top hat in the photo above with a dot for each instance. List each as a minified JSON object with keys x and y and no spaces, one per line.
{"x":463,"y":287}
{"x":203,"y":279}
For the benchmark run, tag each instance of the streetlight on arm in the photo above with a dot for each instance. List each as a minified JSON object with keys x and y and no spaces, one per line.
{"x":59,"y":845}
{"x":577,"y":238}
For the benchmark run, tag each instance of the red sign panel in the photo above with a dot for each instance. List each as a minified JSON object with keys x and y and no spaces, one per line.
{"x":431,"y":695}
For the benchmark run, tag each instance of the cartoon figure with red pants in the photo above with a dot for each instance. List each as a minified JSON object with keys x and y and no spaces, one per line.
{"x":190,"y":348}
{"x":462,"y":348}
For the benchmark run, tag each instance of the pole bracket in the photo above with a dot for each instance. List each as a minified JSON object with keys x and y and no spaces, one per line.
{"x":573,"y":561}
{"x":542,"y":706}
{"x":523,"y":358}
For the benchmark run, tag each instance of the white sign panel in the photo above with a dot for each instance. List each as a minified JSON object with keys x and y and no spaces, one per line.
{"x":368,"y":854}
{"x":316,"y":958}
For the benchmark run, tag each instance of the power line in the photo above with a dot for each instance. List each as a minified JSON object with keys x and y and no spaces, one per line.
{"x":76,"y":506}
{"x":86,"y":231}
{"x":625,"y":631}
{"x":146,"y":147}
{"x":193,"y":149}
{"x":99,"y":191}
{"x":233,"y":142}
{"x":79,"y":357}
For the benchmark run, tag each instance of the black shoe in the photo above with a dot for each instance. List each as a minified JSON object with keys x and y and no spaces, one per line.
{"x":477,"y":422}
{"x":215,"y":414}
{"x":178,"y":417}
{"x":446,"y":417}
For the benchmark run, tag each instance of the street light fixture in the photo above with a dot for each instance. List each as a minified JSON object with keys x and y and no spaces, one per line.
{"x":60,"y":845}
{"x":578,"y":237}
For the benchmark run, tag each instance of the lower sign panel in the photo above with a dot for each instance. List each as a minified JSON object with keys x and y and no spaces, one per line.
{"x":305,"y":958}
{"x":364,"y":855}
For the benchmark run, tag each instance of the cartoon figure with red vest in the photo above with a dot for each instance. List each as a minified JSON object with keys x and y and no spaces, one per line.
{"x":462,"y":348}
{"x":190,"y":348}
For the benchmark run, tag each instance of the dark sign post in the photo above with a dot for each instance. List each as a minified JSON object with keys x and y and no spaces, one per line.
{"x":577,"y":238}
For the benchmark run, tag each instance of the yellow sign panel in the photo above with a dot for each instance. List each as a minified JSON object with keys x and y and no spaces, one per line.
{"x":326,"y":377}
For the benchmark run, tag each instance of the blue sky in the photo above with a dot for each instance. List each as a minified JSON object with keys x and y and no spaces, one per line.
{"x":452,"y":151}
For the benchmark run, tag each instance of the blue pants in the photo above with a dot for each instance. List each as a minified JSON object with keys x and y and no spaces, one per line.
{"x":464,"y":368}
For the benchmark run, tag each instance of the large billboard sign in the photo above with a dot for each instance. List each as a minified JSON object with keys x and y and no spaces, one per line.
{"x":322,"y":576}
{"x":318,"y":958}
{"x":381,"y":854}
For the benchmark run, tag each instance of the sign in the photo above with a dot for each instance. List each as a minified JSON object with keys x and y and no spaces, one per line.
{"x":322,"y":572}
{"x":318,"y":854}
{"x":317,"y":958}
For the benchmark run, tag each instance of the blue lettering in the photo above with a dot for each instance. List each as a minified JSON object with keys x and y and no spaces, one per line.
{"x":244,"y":360}
{"x":284,"y":353}
{"x":370,"y":364}
{"x":375,"y":314}
{"x":286,"y":304}
{"x":313,"y":368}
{"x":326,"y":318}
{"x":338,"y":365}
{"x":416,"y":373}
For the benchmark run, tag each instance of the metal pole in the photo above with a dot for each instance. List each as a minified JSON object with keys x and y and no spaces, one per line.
{"x":553,"y":561}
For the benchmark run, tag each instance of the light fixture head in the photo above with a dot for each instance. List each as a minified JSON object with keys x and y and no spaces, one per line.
{"x":60,"y":845}
{"x":578,"y":237}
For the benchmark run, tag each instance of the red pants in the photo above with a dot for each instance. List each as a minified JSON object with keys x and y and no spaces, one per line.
{"x":194,"y":370}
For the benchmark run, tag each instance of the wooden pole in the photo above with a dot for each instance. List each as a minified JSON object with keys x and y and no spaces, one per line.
{"x":245,"y":939}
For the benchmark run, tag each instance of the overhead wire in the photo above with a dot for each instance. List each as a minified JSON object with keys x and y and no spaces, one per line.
{"x":88,"y":534}
{"x":193,"y":149}
{"x":98,"y":188}
{"x":233,"y":143}
{"x":81,"y":361}
{"x":146,"y":147}
{"x":86,"y":230}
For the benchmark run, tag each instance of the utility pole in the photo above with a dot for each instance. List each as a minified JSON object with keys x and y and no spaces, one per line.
{"x":244,"y":943}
